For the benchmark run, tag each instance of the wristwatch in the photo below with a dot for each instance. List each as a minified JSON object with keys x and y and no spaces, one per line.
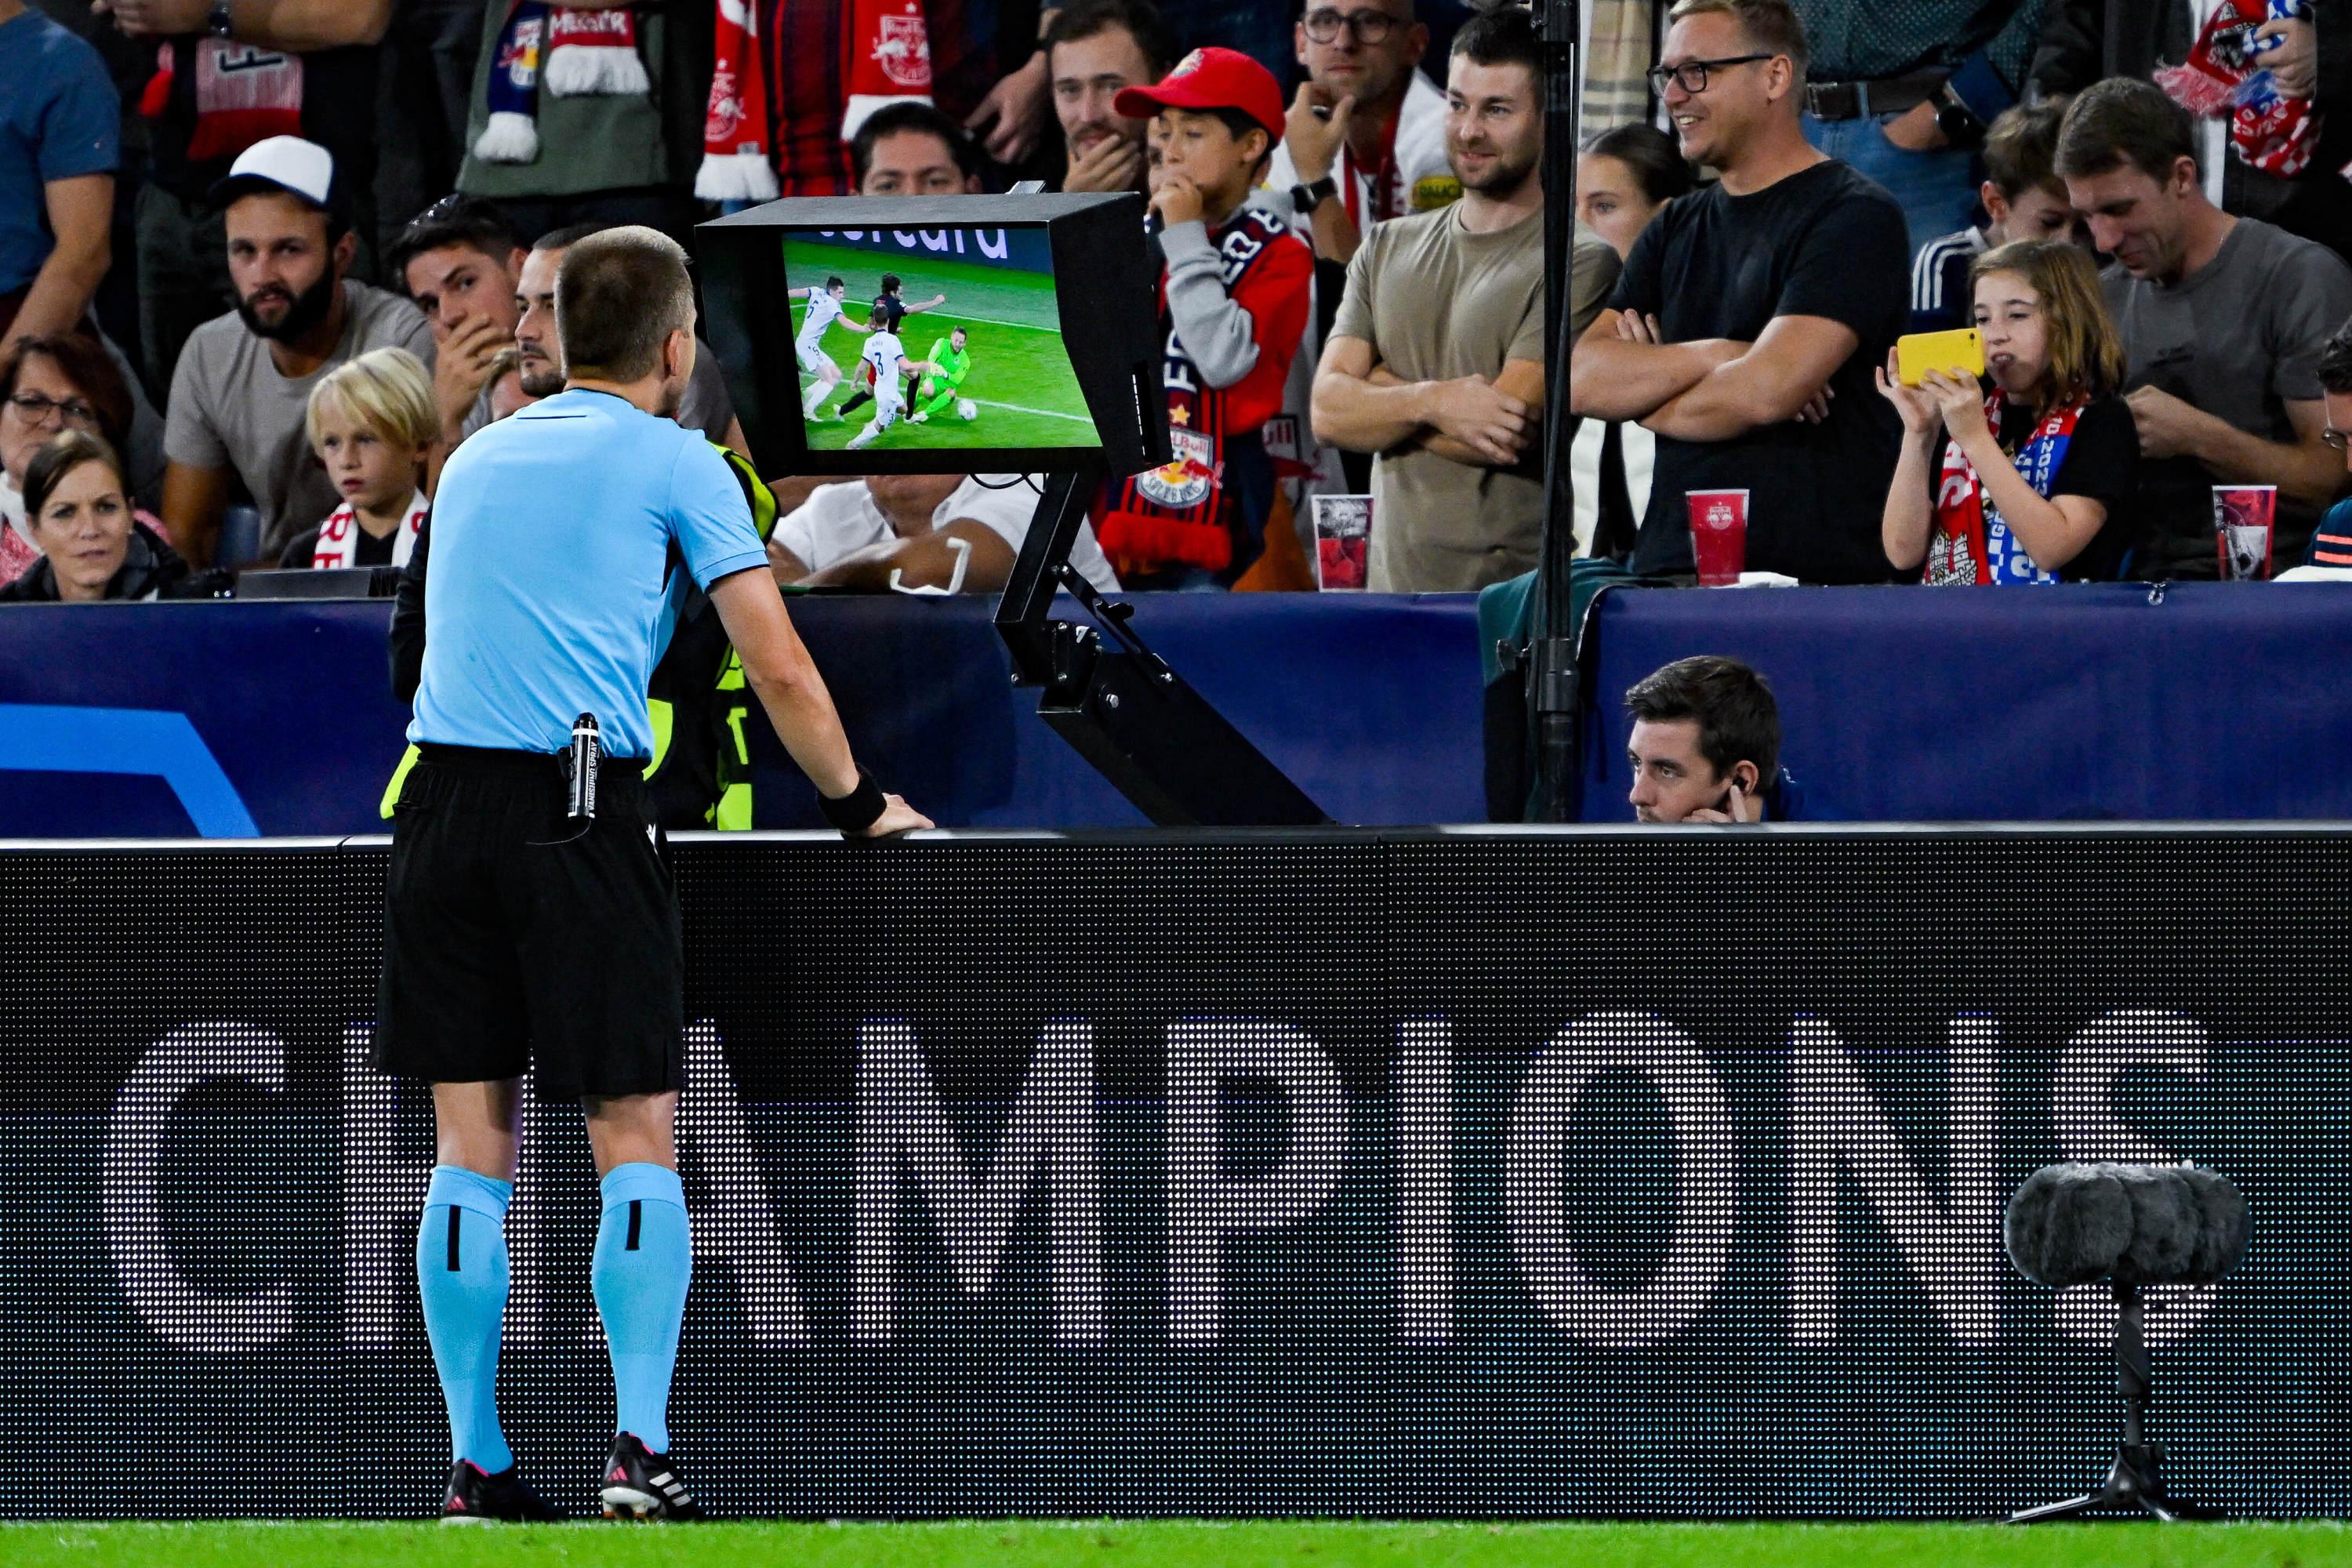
{"x":216,"y":20}
{"x":1957,"y":121}
{"x":1306,"y":198}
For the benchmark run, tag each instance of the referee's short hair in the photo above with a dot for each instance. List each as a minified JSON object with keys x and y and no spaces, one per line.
{"x":618,"y":295}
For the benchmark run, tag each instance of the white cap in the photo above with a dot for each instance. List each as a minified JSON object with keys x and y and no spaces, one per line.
{"x":287,"y":163}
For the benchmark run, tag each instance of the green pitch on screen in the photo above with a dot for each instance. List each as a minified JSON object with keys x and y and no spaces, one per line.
{"x":1015,"y":1544}
{"x":1020,"y":379}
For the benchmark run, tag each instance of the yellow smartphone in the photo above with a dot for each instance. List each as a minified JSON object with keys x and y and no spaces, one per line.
{"x":1956,"y":353}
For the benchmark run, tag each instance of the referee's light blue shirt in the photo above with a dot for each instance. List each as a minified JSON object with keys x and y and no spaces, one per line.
{"x":562,"y":538}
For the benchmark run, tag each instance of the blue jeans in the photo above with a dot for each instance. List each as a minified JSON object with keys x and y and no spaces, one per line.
{"x":1936,"y":190}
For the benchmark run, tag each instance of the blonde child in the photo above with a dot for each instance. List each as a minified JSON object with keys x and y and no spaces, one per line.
{"x":372,"y":422}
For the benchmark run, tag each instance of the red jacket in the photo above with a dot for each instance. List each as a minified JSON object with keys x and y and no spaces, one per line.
{"x":1207,"y":508}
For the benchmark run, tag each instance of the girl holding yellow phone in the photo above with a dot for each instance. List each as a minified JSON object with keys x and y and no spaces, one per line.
{"x":2033,"y":470}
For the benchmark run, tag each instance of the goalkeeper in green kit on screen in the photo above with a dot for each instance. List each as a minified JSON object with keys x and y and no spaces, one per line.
{"x":951,"y":362}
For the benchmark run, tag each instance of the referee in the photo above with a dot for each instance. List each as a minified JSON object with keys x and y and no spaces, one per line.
{"x":520,"y":931}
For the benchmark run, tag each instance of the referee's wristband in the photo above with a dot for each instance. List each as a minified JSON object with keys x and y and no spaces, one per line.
{"x":858,"y":810}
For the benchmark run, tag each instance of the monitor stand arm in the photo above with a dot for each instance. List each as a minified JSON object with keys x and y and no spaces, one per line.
{"x":1158,"y":741}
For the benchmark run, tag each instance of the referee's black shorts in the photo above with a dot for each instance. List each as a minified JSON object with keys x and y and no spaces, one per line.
{"x":514,"y":939}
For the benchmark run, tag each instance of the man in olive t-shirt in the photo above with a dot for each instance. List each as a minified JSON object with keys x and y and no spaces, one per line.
{"x":1436,"y":362}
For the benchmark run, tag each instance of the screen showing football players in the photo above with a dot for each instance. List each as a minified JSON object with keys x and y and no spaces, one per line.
{"x":931,"y":339}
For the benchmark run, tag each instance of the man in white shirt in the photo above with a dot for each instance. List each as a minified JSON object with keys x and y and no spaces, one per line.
{"x":922,"y":530}
{"x":886,"y":360}
{"x":824,"y":314}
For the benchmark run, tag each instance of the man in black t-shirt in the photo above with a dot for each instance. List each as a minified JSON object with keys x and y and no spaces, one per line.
{"x":1751,"y":315}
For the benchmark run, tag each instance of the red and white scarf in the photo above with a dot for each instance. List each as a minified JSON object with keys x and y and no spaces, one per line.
{"x":735,"y":139}
{"x":1973,"y":544}
{"x":244,"y":95}
{"x":572,"y":53}
{"x":2224,"y":77}
{"x":889,"y":60}
{"x":339,"y":536}
{"x":593,"y":53}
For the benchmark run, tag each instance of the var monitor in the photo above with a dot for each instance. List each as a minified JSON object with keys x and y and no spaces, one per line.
{"x":939,"y":334}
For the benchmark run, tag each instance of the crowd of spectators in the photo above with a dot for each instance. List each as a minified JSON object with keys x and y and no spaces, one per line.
{"x":2139,"y":206}
{"x":266,"y":264}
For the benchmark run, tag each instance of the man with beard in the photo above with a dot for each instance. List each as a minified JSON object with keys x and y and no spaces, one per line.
{"x":530,"y":318}
{"x":1750,"y":314}
{"x":1436,"y":362}
{"x":244,"y":380}
{"x":1095,"y":50}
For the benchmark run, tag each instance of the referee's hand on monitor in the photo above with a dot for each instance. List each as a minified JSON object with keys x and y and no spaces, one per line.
{"x":777,"y":668}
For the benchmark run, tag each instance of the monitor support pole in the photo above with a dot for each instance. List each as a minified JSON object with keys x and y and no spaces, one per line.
{"x":1552,"y":681}
{"x":1158,"y":741}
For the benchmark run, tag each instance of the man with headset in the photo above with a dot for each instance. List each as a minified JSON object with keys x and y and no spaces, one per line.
{"x":530,"y":918}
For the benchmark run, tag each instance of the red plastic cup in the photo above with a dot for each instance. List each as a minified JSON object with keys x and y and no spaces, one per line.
{"x":2245,"y":518}
{"x":1718,"y":525}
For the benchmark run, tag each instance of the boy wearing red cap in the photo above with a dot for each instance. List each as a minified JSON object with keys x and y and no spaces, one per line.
{"x":1233,"y":304}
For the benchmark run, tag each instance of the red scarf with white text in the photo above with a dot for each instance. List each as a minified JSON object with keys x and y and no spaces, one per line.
{"x":889,"y":44}
{"x":737,"y":141}
{"x":2224,"y":77}
{"x":339,"y":536}
{"x":244,"y":95}
{"x":1972,"y":543}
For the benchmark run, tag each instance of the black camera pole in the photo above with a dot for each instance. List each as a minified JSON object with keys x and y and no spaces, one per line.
{"x":1551,"y":672}
{"x":1158,"y":741}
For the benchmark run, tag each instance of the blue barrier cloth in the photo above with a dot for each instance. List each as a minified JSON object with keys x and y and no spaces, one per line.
{"x":2210,"y":702}
{"x":2222,"y":701}
{"x":1370,"y":703}
{"x":55,"y":739}
{"x":293,"y":703}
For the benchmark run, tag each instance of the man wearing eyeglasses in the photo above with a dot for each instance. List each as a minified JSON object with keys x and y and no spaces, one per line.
{"x":1749,"y":314}
{"x":1365,"y":138}
{"x":1364,"y":141}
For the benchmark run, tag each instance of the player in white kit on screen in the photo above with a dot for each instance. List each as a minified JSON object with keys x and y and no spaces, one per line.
{"x":886,"y":358}
{"x":823,"y":312}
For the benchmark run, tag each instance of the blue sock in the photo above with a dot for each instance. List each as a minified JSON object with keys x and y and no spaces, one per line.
{"x":645,"y":1255}
{"x":461,"y":1273}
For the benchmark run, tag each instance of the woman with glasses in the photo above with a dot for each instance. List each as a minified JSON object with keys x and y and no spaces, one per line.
{"x":49,"y":385}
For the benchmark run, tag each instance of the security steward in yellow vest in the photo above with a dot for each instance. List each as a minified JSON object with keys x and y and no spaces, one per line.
{"x":700,"y":775}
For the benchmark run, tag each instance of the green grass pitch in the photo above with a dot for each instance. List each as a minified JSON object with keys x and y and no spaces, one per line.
{"x":1124,"y":1544}
{"x":1020,"y":376}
